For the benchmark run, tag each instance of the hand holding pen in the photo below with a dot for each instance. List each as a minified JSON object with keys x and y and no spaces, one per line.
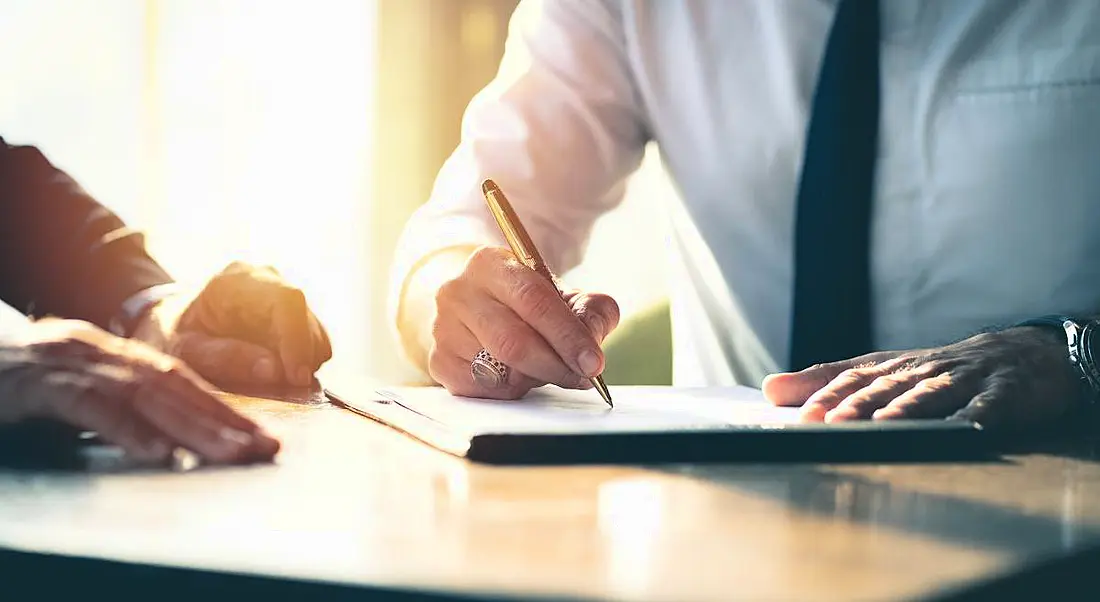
{"x":502,"y":327}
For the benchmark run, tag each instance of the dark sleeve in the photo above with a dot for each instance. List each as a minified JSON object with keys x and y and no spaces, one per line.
{"x":61,"y":252}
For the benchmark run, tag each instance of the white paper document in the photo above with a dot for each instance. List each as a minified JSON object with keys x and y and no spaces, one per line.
{"x":550,"y":409}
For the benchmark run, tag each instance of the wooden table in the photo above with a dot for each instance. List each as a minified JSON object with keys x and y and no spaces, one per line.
{"x":351,"y":501}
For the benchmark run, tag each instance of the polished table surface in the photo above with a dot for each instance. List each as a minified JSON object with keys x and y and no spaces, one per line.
{"x":351,"y":501}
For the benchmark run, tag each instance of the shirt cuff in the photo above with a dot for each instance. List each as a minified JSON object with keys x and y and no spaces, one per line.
{"x":135,"y":306}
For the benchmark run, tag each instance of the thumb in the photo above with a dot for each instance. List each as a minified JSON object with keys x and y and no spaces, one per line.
{"x":793,"y":388}
{"x":227,"y":361}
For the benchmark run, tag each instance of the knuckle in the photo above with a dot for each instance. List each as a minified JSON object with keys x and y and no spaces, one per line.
{"x":857,"y":400}
{"x":932,"y":385}
{"x":532,"y":299}
{"x":172,"y":369}
{"x":67,"y":347}
{"x":827,"y":370}
{"x":852,"y":374}
{"x":485,"y":256}
{"x":237,"y":266}
{"x":609,"y":309}
{"x":510,"y":348}
{"x":449,"y":290}
{"x":889,"y":381}
{"x":293,"y":297}
{"x":983,"y":338}
{"x":924,"y":367}
{"x":439,"y":328}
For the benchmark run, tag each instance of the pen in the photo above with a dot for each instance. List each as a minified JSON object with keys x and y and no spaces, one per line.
{"x":525,"y":250}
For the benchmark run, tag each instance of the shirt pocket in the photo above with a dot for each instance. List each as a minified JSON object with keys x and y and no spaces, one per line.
{"x":1011,"y":205}
{"x":1030,"y":76}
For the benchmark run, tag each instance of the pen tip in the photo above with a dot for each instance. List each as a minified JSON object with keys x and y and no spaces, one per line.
{"x":602,"y":388}
{"x":489,"y":186}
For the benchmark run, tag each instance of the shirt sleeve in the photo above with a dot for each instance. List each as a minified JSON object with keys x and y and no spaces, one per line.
{"x":559,"y":128}
{"x":135,"y":307}
{"x":62,"y":253}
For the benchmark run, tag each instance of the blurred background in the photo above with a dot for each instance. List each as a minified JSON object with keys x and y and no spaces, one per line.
{"x":295,"y":133}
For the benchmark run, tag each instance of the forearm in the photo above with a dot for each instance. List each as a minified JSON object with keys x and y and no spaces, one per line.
{"x":61,"y":252}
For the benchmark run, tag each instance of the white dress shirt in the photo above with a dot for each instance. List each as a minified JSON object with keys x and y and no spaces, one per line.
{"x":987,"y":206}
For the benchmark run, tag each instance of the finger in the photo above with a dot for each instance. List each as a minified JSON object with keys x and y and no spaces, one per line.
{"x":880,"y":392}
{"x":150,"y":364}
{"x":511,"y":340}
{"x":228,"y":361}
{"x":192,"y":393}
{"x":108,"y":382}
{"x":934,"y":397}
{"x":166,"y":403}
{"x":195,"y":394}
{"x":290,"y":320}
{"x":322,"y":345}
{"x":993,"y":406}
{"x":211,"y":440}
{"x":980,"y":410}
{"x":538,"y":303}
{"x":846,"y":383}
{"x":450,"y":339}
{"x":92,"y":402}
{"x":599,"y":312}
{"x":456,"y":377}
{"x":794,"y":388}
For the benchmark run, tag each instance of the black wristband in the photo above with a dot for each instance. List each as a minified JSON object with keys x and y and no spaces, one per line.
{"x":1052,"y":321}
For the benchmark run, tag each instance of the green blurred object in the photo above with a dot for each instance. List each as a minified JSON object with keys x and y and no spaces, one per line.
{"x":639,"y":352}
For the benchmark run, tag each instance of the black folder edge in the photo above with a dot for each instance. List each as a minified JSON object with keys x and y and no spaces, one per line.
{"x":863,"y":441}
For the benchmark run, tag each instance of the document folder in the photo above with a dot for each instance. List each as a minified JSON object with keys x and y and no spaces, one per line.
{"x":648,"y":425}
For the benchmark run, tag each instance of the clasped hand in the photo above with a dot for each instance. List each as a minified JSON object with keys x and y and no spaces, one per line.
{"x":153,"y":395}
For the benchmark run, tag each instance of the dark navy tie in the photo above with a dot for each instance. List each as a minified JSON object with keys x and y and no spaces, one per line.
{"x":832,"y":296}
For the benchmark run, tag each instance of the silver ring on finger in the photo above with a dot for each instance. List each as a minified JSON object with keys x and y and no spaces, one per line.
{"x":488,"y":371}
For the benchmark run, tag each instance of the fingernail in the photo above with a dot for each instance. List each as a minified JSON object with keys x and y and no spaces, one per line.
{"x":811,"y":413}
{"x":265,"y":442}
{"x":264,"y":370}
{"x":305,"y":376}
{"x":235,"y":437}
{"x":885,"y":414}
{"x":588,"y":362}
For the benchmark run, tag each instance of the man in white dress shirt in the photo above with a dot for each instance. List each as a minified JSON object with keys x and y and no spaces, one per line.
{"x":985,"y":202}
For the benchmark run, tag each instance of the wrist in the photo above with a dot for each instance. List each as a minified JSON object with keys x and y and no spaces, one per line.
{"x":157,"y":325}
{"x":136,"y":307}
{"x":416,"y":309}
{"x":1076,"y":338}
